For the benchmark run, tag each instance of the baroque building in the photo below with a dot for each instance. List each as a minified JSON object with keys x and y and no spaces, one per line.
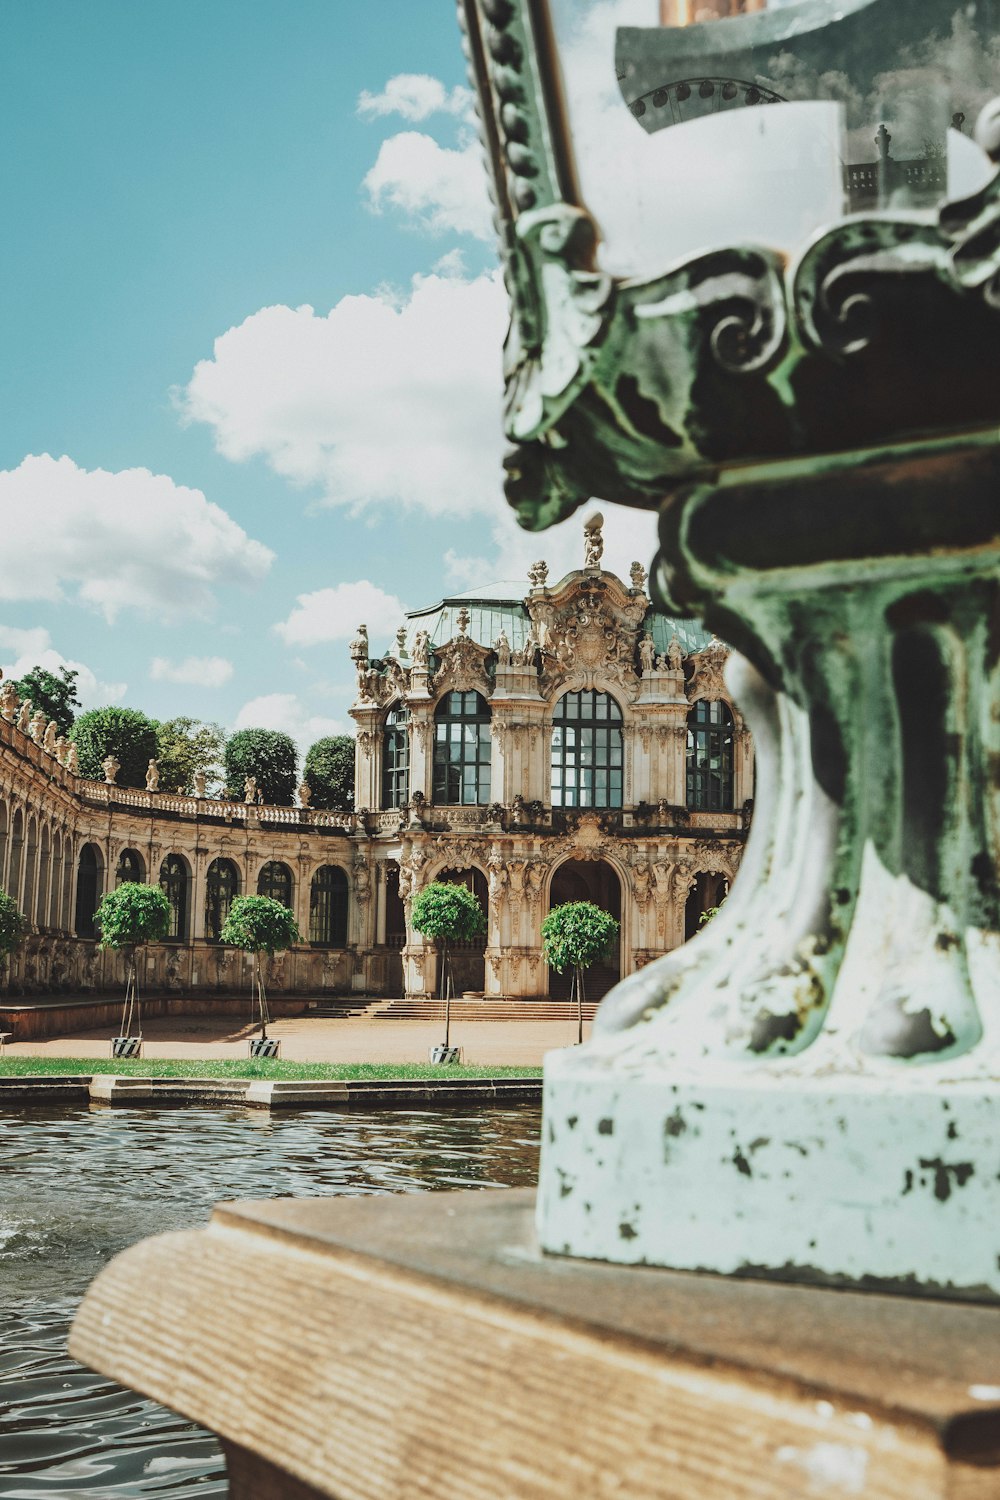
{"x":557,"y":743}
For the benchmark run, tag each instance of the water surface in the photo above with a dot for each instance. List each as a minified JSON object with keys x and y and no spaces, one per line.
{"x":79,"y":1185}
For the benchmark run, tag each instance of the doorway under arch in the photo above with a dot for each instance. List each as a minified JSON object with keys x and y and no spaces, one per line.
{"x":596,"y":881}
{"x":468,"y":960}
{"x":709,"y":892}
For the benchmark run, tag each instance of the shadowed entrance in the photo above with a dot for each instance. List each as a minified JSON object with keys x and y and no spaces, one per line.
{"x":596,"y":881}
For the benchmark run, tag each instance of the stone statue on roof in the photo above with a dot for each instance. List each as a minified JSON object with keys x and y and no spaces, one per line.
{"x":502,"y":647}
{"x":675,"y":654}
{"x":638,"y":575}
{"x":593,"y":541}
{"x":419,"y":655}
{"x":359,"y":645}
{"x":647,"y":654}
{"x":537,"y":574}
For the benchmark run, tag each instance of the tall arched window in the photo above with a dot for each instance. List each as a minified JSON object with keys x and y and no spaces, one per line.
{"x":44,"y":871}
{"x":587,"y":751}
{"x":396,"y":757}
{"x":462,"y":749}
{"x":130,"y":868}
{"x":88,"y":889}
{"x":328,"y":908}
{"x":30,"y":870}
{"x":710,"y":757}
{"x":222,"y":886}
{"x":174,"y":884}
{"x":16,"y":852}
{"x":275,"y":881}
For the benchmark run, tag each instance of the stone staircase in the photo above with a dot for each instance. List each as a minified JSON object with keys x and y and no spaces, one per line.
{"x":462,"y":1009}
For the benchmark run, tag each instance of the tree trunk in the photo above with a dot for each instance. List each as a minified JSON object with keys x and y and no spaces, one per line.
{"x":578,"y":975}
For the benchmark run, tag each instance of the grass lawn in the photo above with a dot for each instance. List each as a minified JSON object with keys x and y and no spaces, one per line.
{"x":257,"y":1067}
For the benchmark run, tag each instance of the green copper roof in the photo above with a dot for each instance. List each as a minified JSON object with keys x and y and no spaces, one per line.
{"x":497,"y":606}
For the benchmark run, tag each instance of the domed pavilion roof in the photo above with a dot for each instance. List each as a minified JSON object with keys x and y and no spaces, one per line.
{"x":493,"y":607}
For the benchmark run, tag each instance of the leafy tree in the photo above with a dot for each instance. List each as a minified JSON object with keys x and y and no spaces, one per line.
{"x":124,"y":733}
{"x":267,"y":755}
{"x":55,"y":696}
{"x":259,"y":925}
{"x":13,"y":925}
{"x":184,"y":746}
{"x":126,"y":918}
{"x":449,"y":914}
{"x":329,"y":772}
{"x":574,"y":936}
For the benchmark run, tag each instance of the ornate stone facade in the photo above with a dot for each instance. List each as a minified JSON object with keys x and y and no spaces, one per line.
{"x":520,"y":828}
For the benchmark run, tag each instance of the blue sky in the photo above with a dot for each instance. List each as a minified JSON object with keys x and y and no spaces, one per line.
{"x":249,"y":310}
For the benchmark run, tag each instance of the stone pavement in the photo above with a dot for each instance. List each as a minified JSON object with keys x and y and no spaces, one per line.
{"x":319,"y":1040}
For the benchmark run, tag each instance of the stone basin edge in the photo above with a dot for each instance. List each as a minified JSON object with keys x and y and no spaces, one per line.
{"x":255,"y":1093}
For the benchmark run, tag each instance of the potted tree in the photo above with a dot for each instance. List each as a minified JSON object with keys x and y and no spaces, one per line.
{"x":449,"y":914}
{"x":12,"y":929}
{"x":259,"y":925}
{"x":574,"y":936}
{"x":127,"y":918}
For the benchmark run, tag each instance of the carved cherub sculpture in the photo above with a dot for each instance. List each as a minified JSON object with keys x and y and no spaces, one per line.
{"x":152,"y":777}
{"x":250,"y":789}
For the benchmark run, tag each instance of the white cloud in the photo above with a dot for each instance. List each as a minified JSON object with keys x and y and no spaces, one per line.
{"x":387,"y":400}
{"x":334,"y":614}
{"x":20,"y":650}
{"x":126,"y":540}
{"x":195,"y":671}
{"x":287,"y":712}
{"x":415,"y":96}
{"x":440,"y":188}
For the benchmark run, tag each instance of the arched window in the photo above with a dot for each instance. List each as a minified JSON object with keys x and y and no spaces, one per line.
{"x":462,"y":749}
{"x":275,"y":880}
{"x":328,"y":908}
{"x":396,"y":757}
{"x":587,"y":751}
{"x":16,"y":851}
{"x":130,"y":869}
{"x":44,"y":871}
{"x":222,"y":886}
{"x":30,"y":870}
{"x":710,"y":757}
{"x":174,"y":884}
{"x":88,"y":889}
{"x":55,"y":912}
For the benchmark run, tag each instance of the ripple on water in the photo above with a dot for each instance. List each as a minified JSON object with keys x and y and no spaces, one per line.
{"x":79,"y":1185}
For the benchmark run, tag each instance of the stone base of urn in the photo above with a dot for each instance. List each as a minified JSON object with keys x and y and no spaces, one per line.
{"x":423,"y":1346}
{"x":878,"y":1182}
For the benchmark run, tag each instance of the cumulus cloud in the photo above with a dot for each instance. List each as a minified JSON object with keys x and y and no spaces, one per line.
{"x":388,"y":399}
{"x":287,"y":712}
{"x":194,"y":671}
{"x":334,"y":614}
{"x":20,"y":650}
{"x":440,"y":188}
{"x":414,"y":96}
{"x":125,"y":540}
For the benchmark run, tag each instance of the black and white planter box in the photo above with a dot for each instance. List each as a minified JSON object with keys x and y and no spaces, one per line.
{"x":445,"y":1056}
{"x":265,"y":1046}
{"x":126,"y":1046}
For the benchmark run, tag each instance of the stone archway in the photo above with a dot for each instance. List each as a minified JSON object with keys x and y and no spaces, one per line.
{"x":468,"y":960}
{"x":596,"y":881}
{"x":709,"y":891}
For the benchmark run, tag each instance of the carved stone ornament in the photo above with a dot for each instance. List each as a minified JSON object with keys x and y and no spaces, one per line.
{"x":152,"y":777}
{"x":462,"y":664}
{"x":818,"y":428}
{"x":110,"y":765}
{"x":707,"y":680}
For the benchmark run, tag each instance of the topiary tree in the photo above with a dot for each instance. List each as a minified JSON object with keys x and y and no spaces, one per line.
{"x":13,"y":925}
{"x":449,"y":914}
{"x":55,"y":696}
{"x":329,"y":772}
{"x":259,"y":925}
{"x":574,"y":936}
{"x":184,"y":746}
{"x":269,"y":757}
{"x":126,"y":919}
{"x":125,"y":733}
